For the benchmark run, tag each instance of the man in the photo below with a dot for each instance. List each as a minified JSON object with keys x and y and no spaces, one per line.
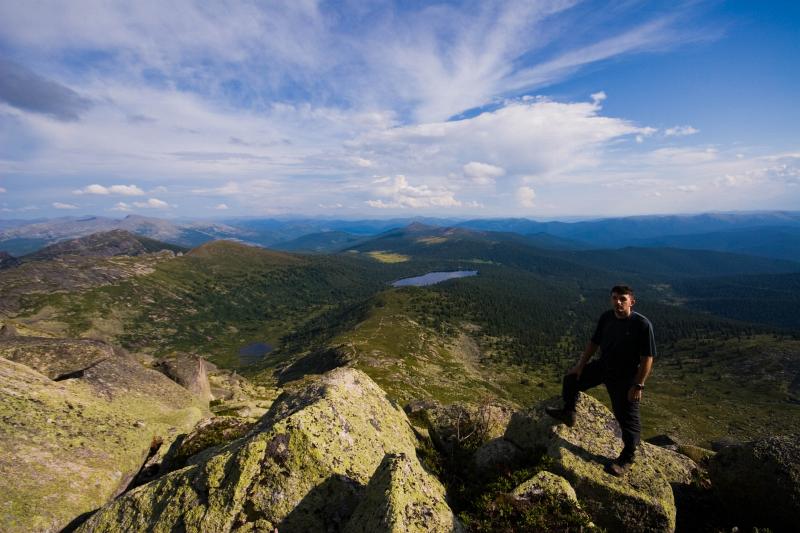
{"x":627,"y":348}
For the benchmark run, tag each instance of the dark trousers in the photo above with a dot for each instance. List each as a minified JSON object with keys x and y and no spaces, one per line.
{"x":625,"y":411}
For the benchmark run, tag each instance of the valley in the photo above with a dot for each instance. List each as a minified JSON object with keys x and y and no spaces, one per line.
{"x":496,"y":340}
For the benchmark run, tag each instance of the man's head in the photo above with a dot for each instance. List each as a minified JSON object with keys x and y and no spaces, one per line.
{"x":622,"y":300}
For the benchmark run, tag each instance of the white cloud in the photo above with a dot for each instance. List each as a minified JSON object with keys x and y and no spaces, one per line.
{"x":229,"y":189}
{"x":121,"y":206}
{"x":2,"y":190}
{"x":401,"y":194}
{"x":680,"y":131}
{"x":482,"y":173}
{"x":598,"y":97}
{"x":93,"y":189}
{"x":687,"y":188}
{"x":121,"y":190}
{"x":59,"y":205}
{"x":361,"y":162}
{"x":535,"y":137}
{"x":20,"y":209}
{"x":221,"y":207}
{"x":152,"y":203}
{"x":525,"y":196}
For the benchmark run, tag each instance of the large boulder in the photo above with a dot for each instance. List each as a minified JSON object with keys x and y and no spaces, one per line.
{"x":459,"y":424}
{"x":546,"y":484}
{"x":68,"y":447}
{"x":641,"y":500}
{"x":401,"y":497}
{"x":207,"y":434}
{"x":56,"y":358}
{"x":8,"y":331}
{"x":189,"y":371}
{"x":497,"y":455}
{"x":759,"y":482}
{"x":305,"y":466}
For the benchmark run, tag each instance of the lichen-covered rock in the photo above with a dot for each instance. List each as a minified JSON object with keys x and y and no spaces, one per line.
{"x":208,"y":433}
{"x":189,"y":371}
{"x":497,"y":454}
{"x":546,"y":484}
{"x":401,"y":497}
{"x":461,"y":423}
{"x":642,"y":500}
{"x":699,"y":455}
{"x":303,"y":467}
{"x":759,"y":481}
{"x":55,"y":358}
{"x":68,"y":447}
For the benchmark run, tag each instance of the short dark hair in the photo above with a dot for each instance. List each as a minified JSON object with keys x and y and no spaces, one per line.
{"x":622,"y":289}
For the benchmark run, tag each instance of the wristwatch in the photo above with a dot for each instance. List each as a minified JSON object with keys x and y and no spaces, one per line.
{"x":639,"y":386}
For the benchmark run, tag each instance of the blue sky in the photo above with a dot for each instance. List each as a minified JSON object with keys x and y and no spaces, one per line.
{"x":542,"y":109}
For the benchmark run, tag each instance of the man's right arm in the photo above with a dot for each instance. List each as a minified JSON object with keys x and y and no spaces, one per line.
{"x":588,"y":352}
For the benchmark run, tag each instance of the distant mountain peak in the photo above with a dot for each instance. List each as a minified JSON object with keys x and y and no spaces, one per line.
{"x":103,"y":244}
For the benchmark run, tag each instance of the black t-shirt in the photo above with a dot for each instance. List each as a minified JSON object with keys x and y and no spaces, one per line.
{"x":622,"y":342}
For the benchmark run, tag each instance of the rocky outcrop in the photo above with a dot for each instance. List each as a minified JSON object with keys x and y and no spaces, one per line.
{"x":546,"y":484}
{"x":55,"y":358}
{"x":318,"y":362}
{"x":68,"y":447}
{"x":8,"y":331}
{"x":7,"y":260}
{"x":759,"y":482}
{"x":497,"y":455}
{"x":305,"y":466}
{"x":455,"y":424}
{"x":189,"y":371}
{"x":402,"y":498}
{"x":642,"y":500}
{"x":207,"y":434}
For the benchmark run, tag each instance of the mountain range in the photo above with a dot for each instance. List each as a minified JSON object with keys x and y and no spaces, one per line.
{"x":90,"y":318}
{"x":768,"y":234}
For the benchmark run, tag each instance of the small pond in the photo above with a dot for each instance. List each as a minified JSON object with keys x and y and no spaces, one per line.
{"x":252,"y":353}
{"x":431,"y":278}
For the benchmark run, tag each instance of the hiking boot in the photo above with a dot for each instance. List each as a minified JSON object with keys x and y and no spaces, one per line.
{"x":619,"y":466}
{"x":567,"y":417}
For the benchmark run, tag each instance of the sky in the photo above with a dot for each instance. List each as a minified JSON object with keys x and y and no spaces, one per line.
{"x":374,"y":109}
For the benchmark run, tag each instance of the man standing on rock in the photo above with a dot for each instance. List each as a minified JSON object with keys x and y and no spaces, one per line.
{"x":627,"y":347}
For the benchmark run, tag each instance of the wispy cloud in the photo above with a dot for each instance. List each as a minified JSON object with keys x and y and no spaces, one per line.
{"x":120,"y":190}
{"x":60,"y":205}
{"x":24,"y":89}
{"x":680,"y":131}
{"x":279,"y":107}
{"x":482,"y":173}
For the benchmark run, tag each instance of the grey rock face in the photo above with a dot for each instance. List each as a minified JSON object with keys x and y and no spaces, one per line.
{"x":759,"y":481}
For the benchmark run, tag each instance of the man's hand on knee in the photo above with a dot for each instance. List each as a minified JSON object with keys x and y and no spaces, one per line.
{"x":577,"y":370}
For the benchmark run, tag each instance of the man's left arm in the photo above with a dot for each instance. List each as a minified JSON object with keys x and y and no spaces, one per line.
{"x":645,"y":366}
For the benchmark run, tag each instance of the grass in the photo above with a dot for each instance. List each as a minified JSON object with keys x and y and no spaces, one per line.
{"x":388,"y":257}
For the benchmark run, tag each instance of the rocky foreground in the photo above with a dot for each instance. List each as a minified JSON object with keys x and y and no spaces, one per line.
{"x":333,"y":453}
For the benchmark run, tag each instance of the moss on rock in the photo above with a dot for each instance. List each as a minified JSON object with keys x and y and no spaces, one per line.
{"x":401,"y":497}
{"x":303,"y":467}
{"x":546,"y":483}
{"x":642,"y":500}
{"x":70,"y":446}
